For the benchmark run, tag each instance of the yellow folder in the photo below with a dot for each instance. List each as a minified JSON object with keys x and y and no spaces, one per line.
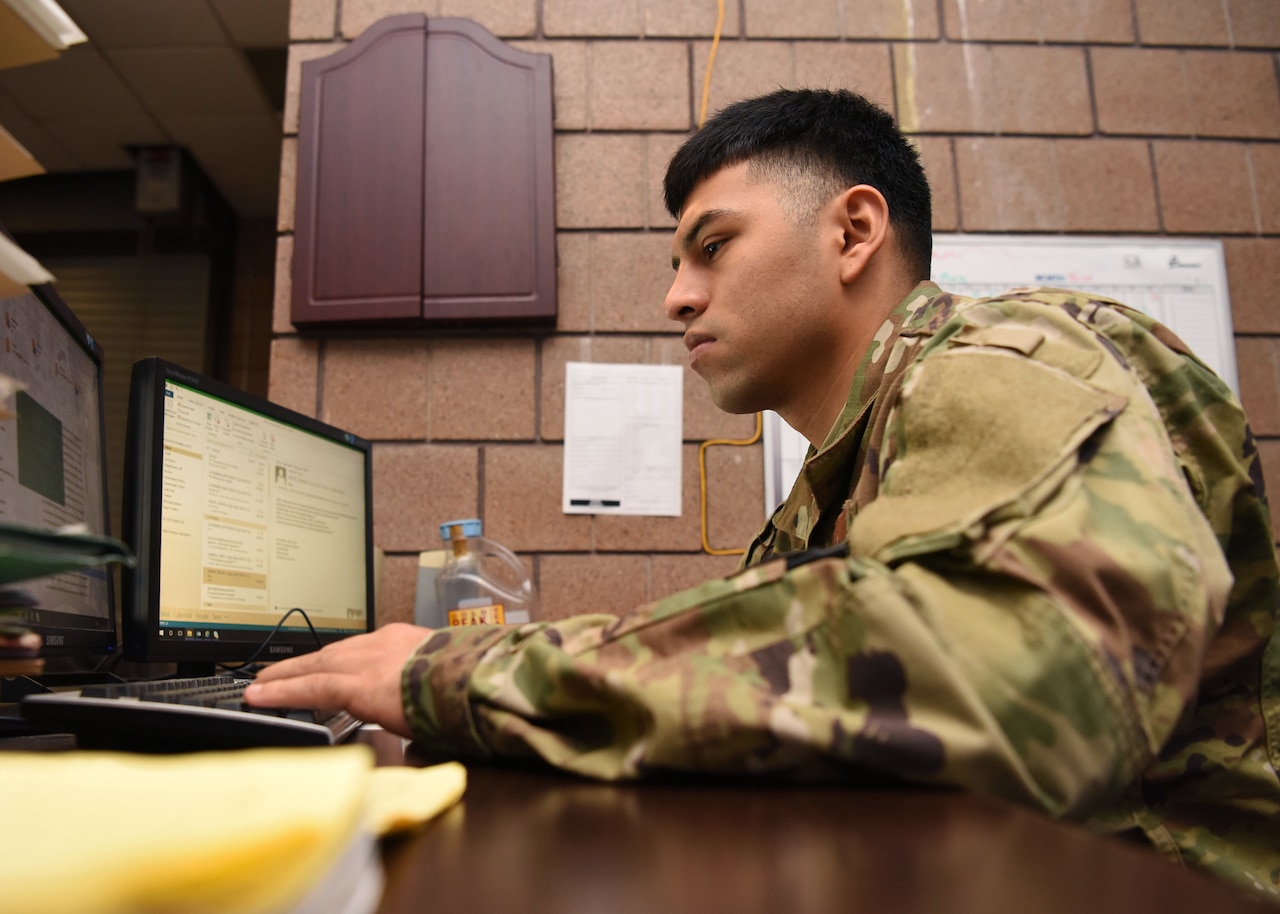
{"x":250,"y":831}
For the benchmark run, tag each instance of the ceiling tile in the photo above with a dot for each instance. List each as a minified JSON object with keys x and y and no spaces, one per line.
{"x":230,"y":140}
{"x":252,"y":193}
{"x":79,"y":83}
{"x":100,"y":143}
{"x":255,"y":23}
{"x":158,"y":71}
{"x":9,"y":108}
{"x":240,"y":155}
{"x":191,"y":81}
{"x":146,"y":23}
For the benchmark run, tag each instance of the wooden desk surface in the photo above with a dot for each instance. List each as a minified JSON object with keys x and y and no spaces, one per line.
{"x":532,"y":840}
{"x":538,"y":841}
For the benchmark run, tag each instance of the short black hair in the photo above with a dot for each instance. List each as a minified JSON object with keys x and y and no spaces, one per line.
{"x":835,"y":131}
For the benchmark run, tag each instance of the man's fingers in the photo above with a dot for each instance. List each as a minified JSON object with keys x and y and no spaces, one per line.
{"x":356,"y":654}
{"x":327,"y":658}
{"x":315,"y":690}
{"x":372,"y":704}
{"x":360,"y":674}
{"x":294,"y":666}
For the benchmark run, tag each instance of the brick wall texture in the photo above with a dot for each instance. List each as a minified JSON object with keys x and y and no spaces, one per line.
{"x":1142,"y":117}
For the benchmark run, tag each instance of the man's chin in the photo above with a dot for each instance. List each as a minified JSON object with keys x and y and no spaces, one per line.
{"x":738,"y":402}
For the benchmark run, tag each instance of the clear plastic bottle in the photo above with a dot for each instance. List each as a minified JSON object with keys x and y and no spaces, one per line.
{"x":482,"y":582}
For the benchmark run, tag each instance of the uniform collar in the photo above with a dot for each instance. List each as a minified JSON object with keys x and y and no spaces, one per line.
{"x":826,"y":469}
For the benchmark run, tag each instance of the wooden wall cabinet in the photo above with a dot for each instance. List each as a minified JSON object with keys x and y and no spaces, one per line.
{"x":426,"y":186}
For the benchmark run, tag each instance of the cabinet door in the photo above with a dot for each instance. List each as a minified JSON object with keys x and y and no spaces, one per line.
{"x":489,"y":237}
{"x":426,"y":183}
{"x":358,"y":224}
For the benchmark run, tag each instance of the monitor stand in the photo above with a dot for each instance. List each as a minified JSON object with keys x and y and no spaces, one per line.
{"x":190,"y":669}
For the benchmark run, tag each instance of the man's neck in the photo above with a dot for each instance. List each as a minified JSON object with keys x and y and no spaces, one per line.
{"x":818,"y":413}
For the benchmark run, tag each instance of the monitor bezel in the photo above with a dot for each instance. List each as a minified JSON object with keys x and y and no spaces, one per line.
{"x":61,"y":636}
{"x":140,"y":586}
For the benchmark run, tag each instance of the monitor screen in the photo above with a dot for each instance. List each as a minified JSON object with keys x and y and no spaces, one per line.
{"x":240,"y":511}
{"x":53,"y":464}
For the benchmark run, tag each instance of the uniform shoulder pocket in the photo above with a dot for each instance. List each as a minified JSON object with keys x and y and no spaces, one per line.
{"x":976,"y":432}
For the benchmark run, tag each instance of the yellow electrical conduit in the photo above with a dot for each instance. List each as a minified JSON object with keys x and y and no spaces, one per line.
{"x":711,"y":61}
{"x":702,"y":449}
{"x":702,"y":482}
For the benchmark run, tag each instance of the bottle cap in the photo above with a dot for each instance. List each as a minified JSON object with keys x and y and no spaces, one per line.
{"x":471,"y":526}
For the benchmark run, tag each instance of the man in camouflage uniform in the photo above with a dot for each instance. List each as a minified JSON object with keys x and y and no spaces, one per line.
{"x":1029,"y":554}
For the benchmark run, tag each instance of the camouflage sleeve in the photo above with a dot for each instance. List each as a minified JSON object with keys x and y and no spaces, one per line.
{"x":1022,"y":611}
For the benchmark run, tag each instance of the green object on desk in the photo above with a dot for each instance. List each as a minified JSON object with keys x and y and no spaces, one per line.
{"x":27,"y":553}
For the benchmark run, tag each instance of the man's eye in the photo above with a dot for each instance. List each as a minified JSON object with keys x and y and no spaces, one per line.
{"x":709,"y":249}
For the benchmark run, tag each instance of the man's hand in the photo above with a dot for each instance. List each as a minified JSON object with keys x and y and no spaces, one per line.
{"x":360,"y":674}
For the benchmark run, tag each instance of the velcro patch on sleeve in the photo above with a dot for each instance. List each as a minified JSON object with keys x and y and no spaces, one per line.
{"x":975,"y":429}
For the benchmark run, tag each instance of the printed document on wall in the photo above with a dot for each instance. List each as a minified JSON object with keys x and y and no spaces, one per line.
{"x":622,"y":432}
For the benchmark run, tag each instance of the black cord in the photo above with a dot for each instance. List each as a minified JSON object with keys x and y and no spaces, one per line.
{"x":108,"y":662}
{"x":261,"y":647}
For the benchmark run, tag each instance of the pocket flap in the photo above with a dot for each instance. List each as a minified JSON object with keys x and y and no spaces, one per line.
{"x":973,"y":431}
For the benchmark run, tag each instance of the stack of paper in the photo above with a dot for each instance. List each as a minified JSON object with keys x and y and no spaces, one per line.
{"x":274,"y":830}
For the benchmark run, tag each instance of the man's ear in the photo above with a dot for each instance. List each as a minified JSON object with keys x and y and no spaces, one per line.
{"x":864,"y":216}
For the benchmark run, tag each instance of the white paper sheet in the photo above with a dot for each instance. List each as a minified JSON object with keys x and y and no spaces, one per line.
{"x":622,"y":431}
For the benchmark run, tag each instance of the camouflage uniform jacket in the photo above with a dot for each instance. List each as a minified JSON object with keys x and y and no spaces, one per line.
{"x":1032,"y":559}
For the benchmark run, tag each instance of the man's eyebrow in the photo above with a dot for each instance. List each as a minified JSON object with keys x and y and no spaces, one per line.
{"x":688,"y":240}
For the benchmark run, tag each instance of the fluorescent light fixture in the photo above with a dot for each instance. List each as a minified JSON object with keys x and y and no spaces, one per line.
{"x":20,"y":266}
{"x":15,"y":160}
{"x":49,"y":21}
{"x":8,"y":139}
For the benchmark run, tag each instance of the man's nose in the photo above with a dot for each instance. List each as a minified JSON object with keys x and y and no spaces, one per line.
{"x":686,"y":299}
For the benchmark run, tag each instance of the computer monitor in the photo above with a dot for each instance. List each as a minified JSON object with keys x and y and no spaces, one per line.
{"x":53,"y":464}
{"x":240,"y":511}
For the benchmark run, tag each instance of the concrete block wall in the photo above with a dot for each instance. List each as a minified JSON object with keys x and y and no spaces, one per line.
{"x":1143,"y":117}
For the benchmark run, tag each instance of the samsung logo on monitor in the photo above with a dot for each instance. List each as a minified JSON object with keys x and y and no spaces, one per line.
{"x":280,"y":649}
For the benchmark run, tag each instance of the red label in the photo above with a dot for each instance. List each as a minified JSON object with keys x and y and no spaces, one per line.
{"x":478,"y":615}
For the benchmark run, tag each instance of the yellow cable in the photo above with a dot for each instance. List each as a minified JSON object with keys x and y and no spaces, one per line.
{"x":711,"y":61}
{"x":702,"y":449}
{"x":702,"y":482}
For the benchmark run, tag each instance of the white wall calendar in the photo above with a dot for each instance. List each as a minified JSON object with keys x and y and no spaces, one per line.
{"x":1181,"y":283}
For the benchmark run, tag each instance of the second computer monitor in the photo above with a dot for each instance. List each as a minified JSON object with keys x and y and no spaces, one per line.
{"x":240,"y":511}
{"x":53,"y":465}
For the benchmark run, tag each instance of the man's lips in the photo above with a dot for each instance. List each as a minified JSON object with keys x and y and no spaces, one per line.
{"x":694,"y":341}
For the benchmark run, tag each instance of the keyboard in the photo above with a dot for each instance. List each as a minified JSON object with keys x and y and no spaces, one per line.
{"x":180,"y":715}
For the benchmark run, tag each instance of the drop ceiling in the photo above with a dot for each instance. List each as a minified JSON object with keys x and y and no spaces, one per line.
{"x":207,"y":75}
